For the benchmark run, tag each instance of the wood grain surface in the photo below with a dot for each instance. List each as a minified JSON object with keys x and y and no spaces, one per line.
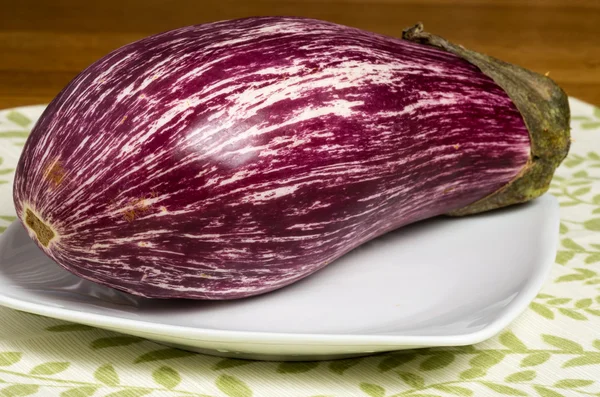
{"x":44,"y":44}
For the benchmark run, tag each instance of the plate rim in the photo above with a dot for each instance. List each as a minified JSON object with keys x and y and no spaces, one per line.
{"x":124,"y":325}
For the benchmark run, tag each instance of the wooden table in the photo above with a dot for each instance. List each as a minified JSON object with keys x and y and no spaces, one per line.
{"x":44,"y":44}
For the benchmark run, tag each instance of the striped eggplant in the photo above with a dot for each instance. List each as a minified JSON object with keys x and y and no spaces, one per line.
{"x":233,"y":158}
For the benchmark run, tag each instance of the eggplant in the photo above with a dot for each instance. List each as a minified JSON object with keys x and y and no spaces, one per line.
{"x":230,"y":159}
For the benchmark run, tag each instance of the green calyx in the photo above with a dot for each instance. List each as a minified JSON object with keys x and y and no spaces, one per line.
{"x":545,"y":110}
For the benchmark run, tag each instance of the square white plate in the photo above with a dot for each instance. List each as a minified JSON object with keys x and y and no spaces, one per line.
{"x":441,"y":282}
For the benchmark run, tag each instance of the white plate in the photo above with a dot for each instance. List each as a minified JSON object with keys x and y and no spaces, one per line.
{"x":446,"y":281}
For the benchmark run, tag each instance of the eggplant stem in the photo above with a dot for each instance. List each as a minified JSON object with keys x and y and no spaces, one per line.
{"x":545,"y":110}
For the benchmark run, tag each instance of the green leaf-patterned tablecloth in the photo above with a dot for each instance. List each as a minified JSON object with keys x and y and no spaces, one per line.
{"x":552,"y":350}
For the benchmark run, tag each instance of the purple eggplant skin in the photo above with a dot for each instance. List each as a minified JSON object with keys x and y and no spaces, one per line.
{"x":230,"y":159}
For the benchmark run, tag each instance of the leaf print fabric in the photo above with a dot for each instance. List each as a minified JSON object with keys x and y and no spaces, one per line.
{"x":552,"y":350}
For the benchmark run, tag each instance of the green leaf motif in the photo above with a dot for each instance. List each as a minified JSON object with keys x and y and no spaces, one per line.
{"x":440,"y":360}
{"x":472,"y":373}
{"x":82,"y":391}
{"x":592,"y":258}
{"x":69,"y":328}
{"x":578,"y":182}
{"x":535,"y":359}
{"x":596,"y":199}
{"x":9,"y":358}
{"x":581,"y":191}
{"x":545,"y":392}
{"x":586,"y":272}
{"x":596,"y":112}
{"x":487,"y":359}
{"x":581,"y":174}
{"x":571,"y":163}
{"x":559,"y":301}
{"x":592,"y":224}
{"x":50,"y":368}
{"x":372,"y":390}
{"x":594,"y":156}
{"x":8,"y":218}
{"x":523,"y":376}
{"x":296,"y":367}
{"x":584,"y":303}
{"x":167,"y":377}
{"x":594,"y":281}
{"x":596,"y":344}
{"x":573,"y":383}
{"x":590,"y":125}
{"x":413,"y":380}
{"x":230,"y":363}
{"x":502,"y":389}
{"x":18,"y":118}
{"x":163,"y":354}
{"x":545,"y":296}
{"x":570,"y":244}
{"x":19,"y":390}
{"x":135,"y":392}
{"x":541,"y":310}
{"x":563,"y":344}
{"x":233,"y":387}
{"x":456,"y":390}
{"x":511,"y":341}
{"x":573,"y":314}
{"x":115,"y":341}
{"x":596,"y":211}
{"x":340,"y":366}
{"x":394,"y":361}
{"x":107,"y":375}
{"x":425,"y":395}
{"x":588,"y":359}
{"x":463,"y":349}
{"x":570,"y":277}
{"x":563,"y":228}
{"x":593,"y":312}
{"x":14,"y":134}
{"x":568,"y":203}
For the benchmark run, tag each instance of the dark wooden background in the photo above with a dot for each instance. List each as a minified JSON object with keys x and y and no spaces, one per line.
{"x":44,"y":44}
